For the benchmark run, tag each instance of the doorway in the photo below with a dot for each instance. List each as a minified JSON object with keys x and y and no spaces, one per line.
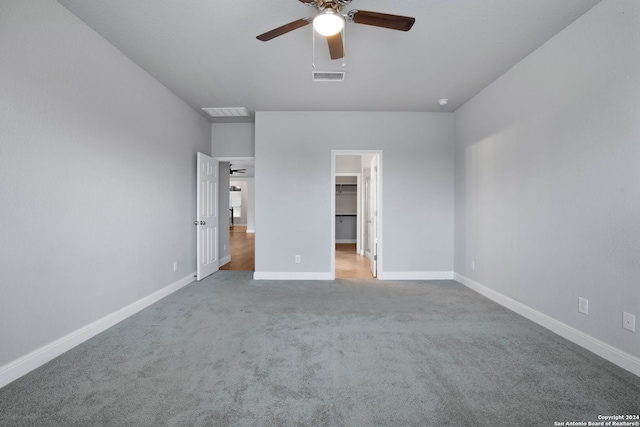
{"x":356,"y":213}
{"x":237,"y":213}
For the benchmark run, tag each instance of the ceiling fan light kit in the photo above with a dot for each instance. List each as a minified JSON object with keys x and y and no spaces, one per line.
{"x":328,"y":22}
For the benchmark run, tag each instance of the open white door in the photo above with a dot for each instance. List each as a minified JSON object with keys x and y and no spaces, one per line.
{"x":373,"y":216}
{"x":207,"y":221}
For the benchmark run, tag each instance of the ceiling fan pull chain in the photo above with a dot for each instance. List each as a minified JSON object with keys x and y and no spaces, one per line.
{"x":344,"y":46}
{"x":313,"y":48}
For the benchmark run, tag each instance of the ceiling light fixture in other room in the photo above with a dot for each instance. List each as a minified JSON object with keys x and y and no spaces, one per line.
{"x":328,"y":22}
{"x":443,"y":101}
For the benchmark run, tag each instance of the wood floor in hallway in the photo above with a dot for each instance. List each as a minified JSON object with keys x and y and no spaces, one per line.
{"x":241,"y":248}
{"x":349,"y":265}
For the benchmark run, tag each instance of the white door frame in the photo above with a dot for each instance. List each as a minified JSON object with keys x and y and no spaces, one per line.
{"x":335,"y":153}
{"x":373,"y":218}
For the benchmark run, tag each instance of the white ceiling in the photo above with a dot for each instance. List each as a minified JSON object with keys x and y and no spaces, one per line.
{"x":207,"y":53}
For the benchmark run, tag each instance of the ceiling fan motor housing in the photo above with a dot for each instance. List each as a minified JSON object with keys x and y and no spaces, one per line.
{"x":336,"y":5}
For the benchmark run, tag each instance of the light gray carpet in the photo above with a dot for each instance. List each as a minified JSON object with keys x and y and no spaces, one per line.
{"x":228,"y":351}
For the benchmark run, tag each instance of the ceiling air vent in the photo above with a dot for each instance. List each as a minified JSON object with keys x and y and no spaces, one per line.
{"x":328,"y":76}
{"x":227,"y":112}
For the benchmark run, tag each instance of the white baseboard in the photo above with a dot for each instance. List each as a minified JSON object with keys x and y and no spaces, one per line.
{"x":251,"y":231}
{"x":286,"y":275}
{"x":401,"y":275}
{"x":27,"y":363}
{"x":415,"y":275}
{"x":346,"y":241}
{"x":224,"y":261}
{"x":613,"y":354}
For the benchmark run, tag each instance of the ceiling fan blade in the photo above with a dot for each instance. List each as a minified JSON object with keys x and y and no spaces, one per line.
{"x":309,"y":2}
{"x":336,"y":47}
{"x":394,"y":22}
{"x":284,"y":29}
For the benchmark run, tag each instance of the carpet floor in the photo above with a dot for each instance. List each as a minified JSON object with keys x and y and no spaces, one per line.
{"x":228,"y":351}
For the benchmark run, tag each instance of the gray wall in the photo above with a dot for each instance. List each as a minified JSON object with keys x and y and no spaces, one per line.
{"x":232,"y":139}
{"x":293,"y":187}
{"x":548,"y":177}
{"x":97,"y":178}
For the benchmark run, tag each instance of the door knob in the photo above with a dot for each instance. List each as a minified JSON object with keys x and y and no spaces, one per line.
{"x":195,"y":222}
{"x":202,"y":223}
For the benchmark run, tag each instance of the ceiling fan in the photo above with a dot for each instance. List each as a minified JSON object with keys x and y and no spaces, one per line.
{"x":329,"y":21}
{"x":232,"y":170}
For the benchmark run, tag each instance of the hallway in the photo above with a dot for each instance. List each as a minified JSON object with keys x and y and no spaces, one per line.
{"x":349,"y":265}
{"x":241,"y":249}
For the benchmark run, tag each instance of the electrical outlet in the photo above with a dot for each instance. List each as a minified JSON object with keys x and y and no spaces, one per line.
{"x":473,"y":265}
{"x":224,"y":246}
{"x":175,"y":266}
{"x":583,"y":305}
{"x":297,"y":259}
{"x":629,"y":321}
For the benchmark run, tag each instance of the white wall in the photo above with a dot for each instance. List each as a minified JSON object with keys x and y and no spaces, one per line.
{"x":249,"y":202}
{"x":293,"y":187}
{"x":242,"y":185}
{"x":548,"y":177}
{"x":348,"y":163}
{"x":97,"y":173}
